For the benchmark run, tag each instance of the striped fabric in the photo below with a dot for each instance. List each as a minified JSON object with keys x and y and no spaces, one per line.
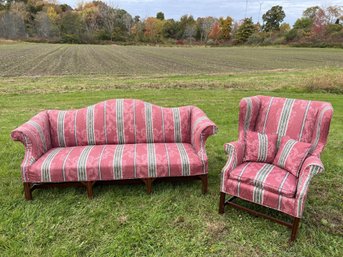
{"x":114,"y":139}
{"x":306,"y":125}
{"x":115,"y":162}
{"x":291,"y":155}
{"x":260,"y":147}
{"x":265,"y":176}
{"x":121,"y":121}
{"x":35,"y":135}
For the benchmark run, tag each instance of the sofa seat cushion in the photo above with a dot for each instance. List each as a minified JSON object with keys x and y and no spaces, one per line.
{"x":112,"y":162}
{"x":266,"y":176}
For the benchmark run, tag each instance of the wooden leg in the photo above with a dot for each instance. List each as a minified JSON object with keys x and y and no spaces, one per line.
{"x":204,"y":181}
{"x":148,"y":184}
{"x":295,"y":228}
{"x":89,"y":187}
{"x":27,"y":191}
{"x":221,"y":203}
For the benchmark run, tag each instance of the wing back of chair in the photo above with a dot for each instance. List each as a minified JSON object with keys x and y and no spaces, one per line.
{"x":120,"y":121}
{"x":302,"y":120}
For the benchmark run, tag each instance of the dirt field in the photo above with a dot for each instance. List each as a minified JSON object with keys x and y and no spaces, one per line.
{"x":25,"y":59}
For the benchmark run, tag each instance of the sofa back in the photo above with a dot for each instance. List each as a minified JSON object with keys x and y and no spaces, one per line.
{"x":302,"y":120}
{"x":120,"y":121}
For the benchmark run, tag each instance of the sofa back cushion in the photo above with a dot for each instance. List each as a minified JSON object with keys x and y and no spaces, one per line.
{"x":283,"y":116}
{"x":120,"y":121}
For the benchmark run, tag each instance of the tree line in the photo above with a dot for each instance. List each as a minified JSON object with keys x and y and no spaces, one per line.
{"x":100,"y":22}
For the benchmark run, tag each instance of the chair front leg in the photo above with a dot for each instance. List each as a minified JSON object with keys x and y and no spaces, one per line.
{"x":221,"y":203}
{"x":27,"y":191}
{"x":204,"y":182}
{"x":295,"y":229}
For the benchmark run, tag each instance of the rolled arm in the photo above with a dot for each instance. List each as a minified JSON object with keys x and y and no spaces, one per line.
{"x":35,"y":136}
{"x":235,"y":152}
{"x":201,"y":128}
{"x":311,"y":167}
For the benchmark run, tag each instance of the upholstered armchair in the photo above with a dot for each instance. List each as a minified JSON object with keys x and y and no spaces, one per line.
{"x":280,"y":183}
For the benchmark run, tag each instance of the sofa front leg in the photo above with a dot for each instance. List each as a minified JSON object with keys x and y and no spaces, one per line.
{"x":295,"y":228}
{"x":221,"y":203}
{"x":89,"y":187}
{"x":148,"y":184}
{"x":204,"y":182}
{"x":27,"y":191}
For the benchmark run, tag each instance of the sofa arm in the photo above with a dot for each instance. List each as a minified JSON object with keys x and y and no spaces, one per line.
{"x":35,"y":136}
{"x":312,"y":166}
{"x":201,"y":128}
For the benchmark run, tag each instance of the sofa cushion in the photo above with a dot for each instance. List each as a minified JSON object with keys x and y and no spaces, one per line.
{"x":291,"y":155}
{"x":265,"y":176}
{"x":260,"y":147}
{"x":120,"y":121}
{"x":112,"y":162}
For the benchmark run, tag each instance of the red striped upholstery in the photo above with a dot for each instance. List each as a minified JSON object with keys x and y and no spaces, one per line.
{"x":265,"y":176}
{"x":121,"y":121}
{"x":305,"y":121}
{"x":291,"y":155}
{"x":112,"y":162}
{"x":115,"y":139}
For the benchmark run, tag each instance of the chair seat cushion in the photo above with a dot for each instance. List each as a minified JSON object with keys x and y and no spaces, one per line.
{"x":265,"y":176}
{"x":112,"y":162}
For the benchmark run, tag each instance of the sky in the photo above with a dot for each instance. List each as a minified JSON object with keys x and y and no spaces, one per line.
{"x":216,"y":8}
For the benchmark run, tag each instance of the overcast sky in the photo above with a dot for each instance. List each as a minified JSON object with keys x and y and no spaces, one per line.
{"x":201,"y":8}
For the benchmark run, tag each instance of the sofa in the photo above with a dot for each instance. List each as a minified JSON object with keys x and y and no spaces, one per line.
{"x":304,"y":127}
{"x":111,"y":141}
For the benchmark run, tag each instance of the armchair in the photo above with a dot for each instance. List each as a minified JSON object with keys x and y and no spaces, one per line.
{"x":276,"y":188}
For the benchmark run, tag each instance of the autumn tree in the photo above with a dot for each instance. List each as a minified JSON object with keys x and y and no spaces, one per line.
{"x":226,"y":27}
{"x":273,"y":18}
{"x":153,"y":29}
{"x":215,"y":31}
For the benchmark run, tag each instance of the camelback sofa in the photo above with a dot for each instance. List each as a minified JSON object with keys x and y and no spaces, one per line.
{"x":266,"y":183}
{"x":113,"y":140}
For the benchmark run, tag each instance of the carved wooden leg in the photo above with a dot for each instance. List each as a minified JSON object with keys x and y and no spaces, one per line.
{"x":27,"y":191}
{"x":295,"y":229}
{"x":148,"y":184}
{"x":204,"y":181}
{"x":89,"y":187}
{"x":221,"y":203}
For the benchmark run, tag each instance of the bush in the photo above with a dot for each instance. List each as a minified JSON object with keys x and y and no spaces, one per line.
{"x":291,"y":35}
{"x":255,"y":39}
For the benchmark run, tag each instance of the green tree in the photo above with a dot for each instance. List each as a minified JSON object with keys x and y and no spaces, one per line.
{"x":160,"y":16}
{"x":245,"y":30}
{"x":273,"y":18}
{"x":304,"y":23}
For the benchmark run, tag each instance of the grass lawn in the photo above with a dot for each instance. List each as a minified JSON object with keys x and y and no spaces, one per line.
{"x":176,"y":220}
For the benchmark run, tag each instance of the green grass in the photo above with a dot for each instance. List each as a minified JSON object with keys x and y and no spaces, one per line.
{"x":176,"y":220}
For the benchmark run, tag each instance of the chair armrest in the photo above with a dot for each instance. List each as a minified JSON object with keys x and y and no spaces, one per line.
{"x":201,"y":128}
{"x":35,"y":136}
{"x":235,"y":152}
{"x":311,"y":166}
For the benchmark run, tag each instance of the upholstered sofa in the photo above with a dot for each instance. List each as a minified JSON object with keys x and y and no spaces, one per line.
{"x":120,"y":139}
{"x":303,"y":123}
